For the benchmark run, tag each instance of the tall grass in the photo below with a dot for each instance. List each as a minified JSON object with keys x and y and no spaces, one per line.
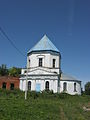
{"x":42,"y":106}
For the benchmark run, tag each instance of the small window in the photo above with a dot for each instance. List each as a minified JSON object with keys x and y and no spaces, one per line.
{"x":64,"y":86}
{"x":29,"y":85}
{"x":4,"y":85}
{"x":74,"y":87}
{"x":25,"y":71}
{"x":47,"y":85}
{"x":29,"y":62}
{"x":12,"y":86}
{"x":40,"y":62}
{"x":54,"y":63}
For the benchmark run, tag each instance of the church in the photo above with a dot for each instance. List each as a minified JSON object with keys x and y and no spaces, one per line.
{"x":44,"y":72}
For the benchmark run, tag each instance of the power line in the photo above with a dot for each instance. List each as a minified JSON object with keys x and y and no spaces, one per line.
{"x":11,"y":42}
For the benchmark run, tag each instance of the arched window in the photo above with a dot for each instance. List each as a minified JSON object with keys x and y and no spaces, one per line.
{"x":4,"y":85}
{"x":74,"y":87}
{"x":29,"y":85}
{"x":64,"y":86}
{"x":47,"y":85}
{"x":12,"y":86}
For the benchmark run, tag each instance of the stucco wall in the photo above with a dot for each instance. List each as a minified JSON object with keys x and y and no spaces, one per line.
{"x":52,"y":85}
{"x":70,"y":87}
{"x":47,"y":60}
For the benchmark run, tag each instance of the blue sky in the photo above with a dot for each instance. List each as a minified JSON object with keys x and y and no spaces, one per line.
{"x":65,"y":22}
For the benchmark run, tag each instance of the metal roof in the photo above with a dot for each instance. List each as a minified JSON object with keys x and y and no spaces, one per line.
{"x":67,"y":77}
{"x":44,"y":45}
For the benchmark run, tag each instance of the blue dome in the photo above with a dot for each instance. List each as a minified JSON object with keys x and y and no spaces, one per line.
{"x":44,"y":45}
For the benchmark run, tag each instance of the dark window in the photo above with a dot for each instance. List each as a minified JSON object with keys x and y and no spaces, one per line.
{"x":25,"y":71}
{"x":29,"y":85}
{"x":29,"y":62}
{"x":40,"y":62}
{"x":47,"y":85}
{"x":12,"y":86}
{"x":64,"y":86}
{"x":74,"y":87}
{"x":4,"y":85}
{"x":54,"y":63}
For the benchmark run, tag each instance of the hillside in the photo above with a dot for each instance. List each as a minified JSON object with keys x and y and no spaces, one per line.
{"x":45,"y":106}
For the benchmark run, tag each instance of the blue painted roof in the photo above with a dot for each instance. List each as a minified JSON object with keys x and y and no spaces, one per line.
{"x":44,"y":45}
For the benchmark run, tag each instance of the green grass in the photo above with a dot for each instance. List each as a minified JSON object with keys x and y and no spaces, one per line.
{"x":45,"y":106}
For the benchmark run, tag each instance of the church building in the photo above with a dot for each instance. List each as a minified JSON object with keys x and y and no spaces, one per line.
{"x":43,"y":71}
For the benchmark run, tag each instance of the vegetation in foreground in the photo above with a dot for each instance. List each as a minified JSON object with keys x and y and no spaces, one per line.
{"x":87,"y":88}
{"x":42,"y":106}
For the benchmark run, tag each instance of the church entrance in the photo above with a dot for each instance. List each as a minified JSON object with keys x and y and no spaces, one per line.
{"x":38,"y":87}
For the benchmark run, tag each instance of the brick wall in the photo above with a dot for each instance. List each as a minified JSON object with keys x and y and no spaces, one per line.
{"x":8,"y":80}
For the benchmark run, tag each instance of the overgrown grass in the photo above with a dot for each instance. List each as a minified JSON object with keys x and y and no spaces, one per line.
{"x":42,"y":106}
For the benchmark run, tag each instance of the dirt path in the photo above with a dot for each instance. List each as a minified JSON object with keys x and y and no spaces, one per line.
{"x":62,"y":114}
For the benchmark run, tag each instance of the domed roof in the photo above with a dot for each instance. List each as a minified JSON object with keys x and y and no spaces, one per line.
{"x":44,"y":45}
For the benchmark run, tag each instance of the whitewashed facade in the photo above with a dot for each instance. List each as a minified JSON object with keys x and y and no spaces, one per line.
{"x":44,"y":70}
{"x":73,"y":86}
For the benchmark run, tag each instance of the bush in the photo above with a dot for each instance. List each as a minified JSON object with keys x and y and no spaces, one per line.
{"x":64,"y":95}
{"x":47,"y":91}
{"x":33,"y":94}
{"x":87,"y":88}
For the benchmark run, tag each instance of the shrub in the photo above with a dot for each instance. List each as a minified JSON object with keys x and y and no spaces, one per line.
{"x":47,"y":91}
{"x":64,"y":95}
{"x":33,"y":94}
{"x":87,"y":88}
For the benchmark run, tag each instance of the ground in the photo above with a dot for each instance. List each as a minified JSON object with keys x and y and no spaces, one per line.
{"x":42,"y":106}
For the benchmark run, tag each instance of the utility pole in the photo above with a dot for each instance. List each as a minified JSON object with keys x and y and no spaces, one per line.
{"x":26,"y":83}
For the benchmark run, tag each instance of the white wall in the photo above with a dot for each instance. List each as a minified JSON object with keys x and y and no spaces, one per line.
{"x":52,"y":85}
{"x":47,"y":62}
{"x":47,"y":59}
{"x":70,"y":87}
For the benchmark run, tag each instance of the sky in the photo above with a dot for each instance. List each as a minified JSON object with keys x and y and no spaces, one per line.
{"x":65,"y":22}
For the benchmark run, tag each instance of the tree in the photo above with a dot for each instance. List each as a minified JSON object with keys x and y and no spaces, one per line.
{"x":87,"y":88}
{"x":15,"y":72}
{"x":3,"y":70}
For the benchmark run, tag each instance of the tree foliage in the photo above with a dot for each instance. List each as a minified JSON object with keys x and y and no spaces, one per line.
{"x":3,"y":70}
{"x":14,"y":71}
{"x":87,"y":88}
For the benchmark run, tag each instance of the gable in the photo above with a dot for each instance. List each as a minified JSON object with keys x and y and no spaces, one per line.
{"x":38,"y":71}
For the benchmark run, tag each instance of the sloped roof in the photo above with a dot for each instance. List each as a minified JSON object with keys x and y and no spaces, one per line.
{"x":44,"y":45}
{"x":67,"y":77}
